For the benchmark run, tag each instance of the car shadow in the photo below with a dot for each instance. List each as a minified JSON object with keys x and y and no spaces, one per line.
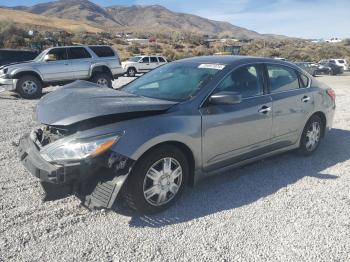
{"x":243,"y":186}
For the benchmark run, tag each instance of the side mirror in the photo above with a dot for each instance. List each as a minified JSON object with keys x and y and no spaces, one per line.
{"x":50,"y":57}
{"x":225,"y":98}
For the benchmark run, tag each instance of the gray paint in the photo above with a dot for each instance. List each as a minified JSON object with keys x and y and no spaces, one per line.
{"x":219,"y":137}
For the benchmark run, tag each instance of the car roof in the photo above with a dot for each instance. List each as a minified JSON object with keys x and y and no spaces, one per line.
{"x":233,"y":59}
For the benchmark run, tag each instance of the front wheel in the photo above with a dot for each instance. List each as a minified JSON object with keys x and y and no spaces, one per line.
{"x":29,"y":87}
{"x":157,"y":180}
{"x":311,"y":136}
{"x":102,"y":79}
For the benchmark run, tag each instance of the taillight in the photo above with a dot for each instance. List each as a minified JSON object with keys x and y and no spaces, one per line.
{"x":331,"y":93}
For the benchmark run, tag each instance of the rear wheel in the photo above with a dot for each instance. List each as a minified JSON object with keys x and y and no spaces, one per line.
{"x":131,"y":72}
{"x":311,"y":137}
{"x":29,"y":87}
{"x":157,"y":180}
{"x":102,"y":79}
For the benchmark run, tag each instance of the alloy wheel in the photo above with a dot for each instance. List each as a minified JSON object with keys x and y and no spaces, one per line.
{"x":162,"y":181}
{"x":313,"y":136}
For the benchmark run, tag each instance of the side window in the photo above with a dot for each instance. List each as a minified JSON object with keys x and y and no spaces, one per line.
{"x":245,"y":80}
{"x":282,"y":78}
{"x":145,"y":60}
{"x":102,"y":51}
{"x":304,"y":80}
{"x":78,"y":53}
{"x":154,"y":59}
{"x":58,"y":54}
{"x":161,"y":59}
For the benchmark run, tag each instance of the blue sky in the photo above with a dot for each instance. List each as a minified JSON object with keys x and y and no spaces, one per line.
{"x":299,"y":18}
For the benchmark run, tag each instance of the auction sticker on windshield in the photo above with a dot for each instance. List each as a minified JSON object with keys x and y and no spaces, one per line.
{"x":212,"y":66}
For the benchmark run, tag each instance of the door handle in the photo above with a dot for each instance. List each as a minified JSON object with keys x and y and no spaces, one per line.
{"x":306,"y":99}
{"x":264,"y":110}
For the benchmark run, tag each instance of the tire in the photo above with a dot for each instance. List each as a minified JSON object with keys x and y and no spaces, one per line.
{"x":29,"y":87}
{"x":102,"y":79}
{"x":131,"y":72}
{"x":311,"y":136}
{"x":162,"y":189}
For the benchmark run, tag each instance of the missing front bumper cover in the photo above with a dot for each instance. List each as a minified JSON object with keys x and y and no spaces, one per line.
{"x":96,"y":187}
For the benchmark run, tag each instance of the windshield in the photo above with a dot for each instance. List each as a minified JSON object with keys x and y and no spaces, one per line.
{"x":134,"y":58}
{"x":174,"y":82}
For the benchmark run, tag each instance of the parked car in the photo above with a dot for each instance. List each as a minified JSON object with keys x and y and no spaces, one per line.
{"x":142,"y":64}
{"x":311,"y":68}
{"x":329,"y":68}
{"x":61,"y":65}
{"x":339,"y":62}
{"x":9,"y":56}
{"x":171,"y":127}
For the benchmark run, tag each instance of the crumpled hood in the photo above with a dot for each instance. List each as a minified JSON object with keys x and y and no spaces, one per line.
{"x":83,"y":100}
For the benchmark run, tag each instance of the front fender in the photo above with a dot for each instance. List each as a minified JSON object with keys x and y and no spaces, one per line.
{"x":18,"y":71}
{"x":145,"y":133}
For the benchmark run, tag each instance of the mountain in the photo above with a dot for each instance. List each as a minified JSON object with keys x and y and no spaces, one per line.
{"x":156,"y":17}
{"x":80,"y":10}
{"x":33,"y":20}
{"x":138,"y":18}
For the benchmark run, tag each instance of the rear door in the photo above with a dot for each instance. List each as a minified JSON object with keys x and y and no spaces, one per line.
{"x":153,"y":62}
{"x":292,"y":104}
{"x":232,"y":133}
{"x":58,"y":69}
{"x":80,"y":62}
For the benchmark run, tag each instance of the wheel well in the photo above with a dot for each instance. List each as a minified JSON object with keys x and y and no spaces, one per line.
{"x":132,"y":68}
{"x":20,"y":74}
{"x":184,"y":149}
{"x":323,"y":119}
{"x":101,"y":69}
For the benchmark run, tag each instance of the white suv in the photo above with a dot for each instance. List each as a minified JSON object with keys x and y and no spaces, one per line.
{"x":142,"y":64}
{"x":340,"y":62}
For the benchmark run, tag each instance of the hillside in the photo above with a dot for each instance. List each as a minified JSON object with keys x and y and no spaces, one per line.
{"x":139,"y":19}
{"x":28,"y":19}
{"x":159,"y":18}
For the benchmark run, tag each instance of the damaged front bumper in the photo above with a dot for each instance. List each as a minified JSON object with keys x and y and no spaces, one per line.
{"x":96,"y":182}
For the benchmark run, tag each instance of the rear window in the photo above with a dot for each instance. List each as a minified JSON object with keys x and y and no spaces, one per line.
{"x":78,"y":53}
{"x":282,"y":78}
{"x":102,"y":51}
{"x":161,"y":59}
{"x":341,"y":61}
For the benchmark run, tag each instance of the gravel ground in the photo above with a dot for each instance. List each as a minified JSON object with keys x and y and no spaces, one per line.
{"x":285,"y":208}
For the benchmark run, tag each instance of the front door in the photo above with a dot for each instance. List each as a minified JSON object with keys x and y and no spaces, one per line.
{"x":144,"y":64}
{"x":58,"y":67}
{"x":232,"y":133}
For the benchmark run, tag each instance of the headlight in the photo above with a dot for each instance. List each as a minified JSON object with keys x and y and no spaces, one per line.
{"x":80,"y":148}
